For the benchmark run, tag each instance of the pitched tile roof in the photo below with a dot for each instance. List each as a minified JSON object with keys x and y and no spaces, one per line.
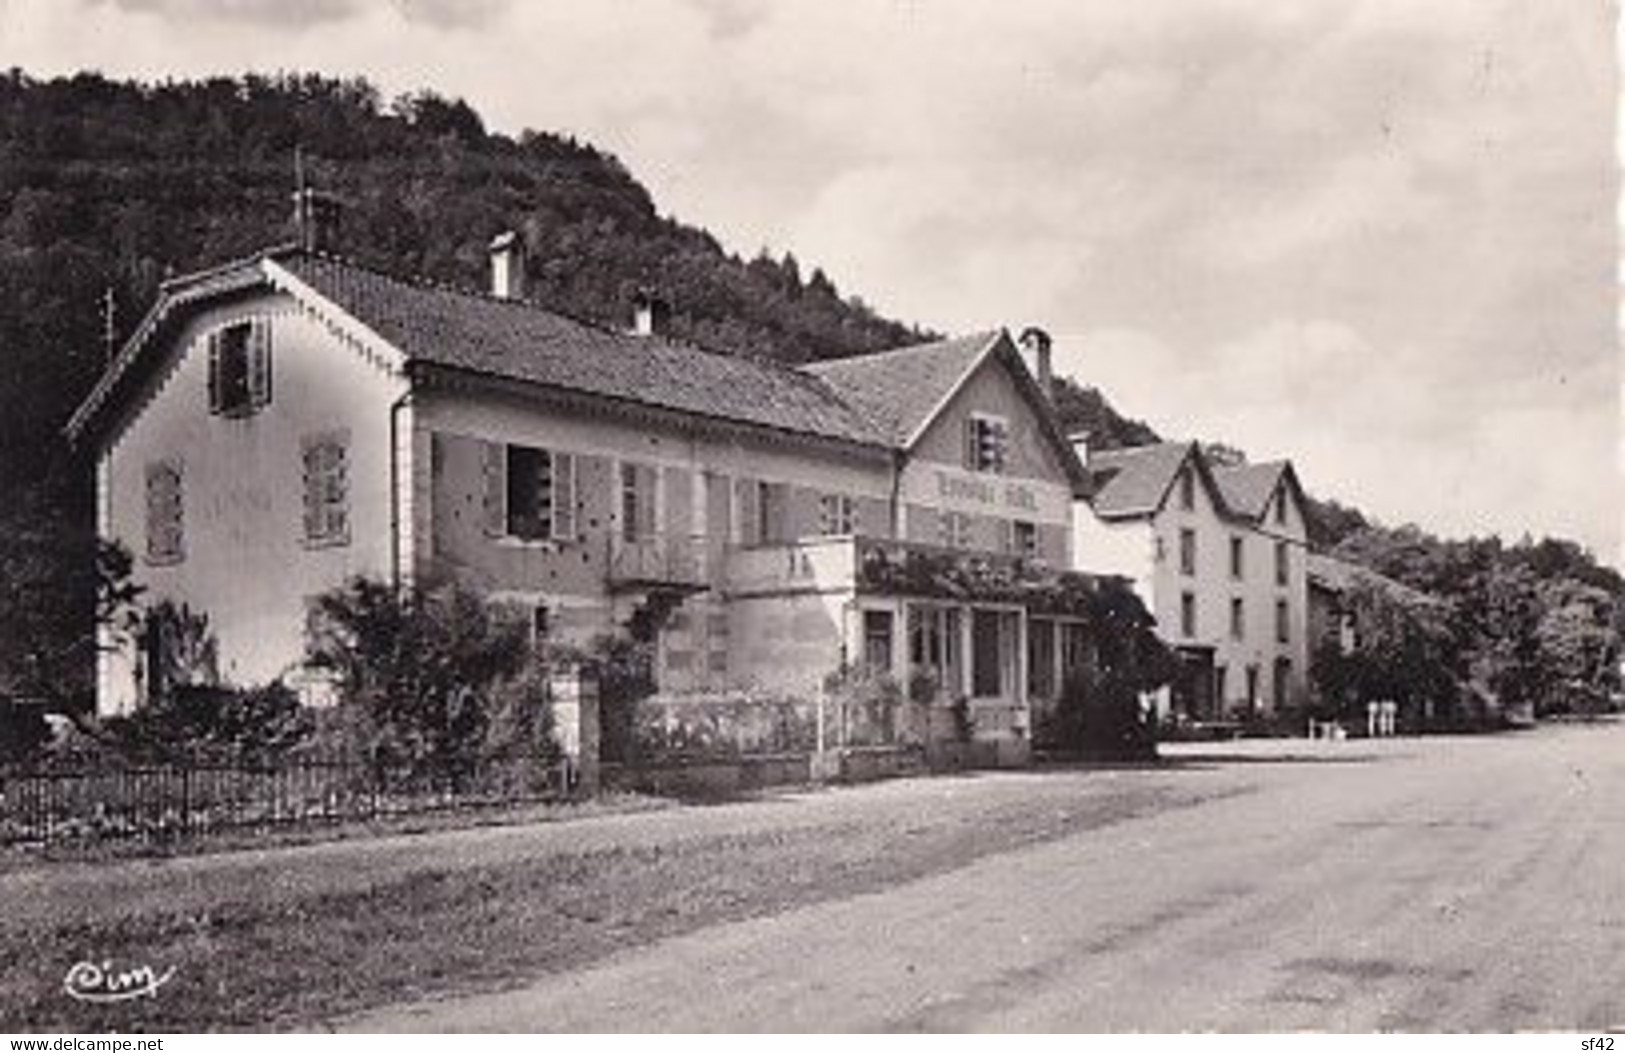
{"x":1134,"y":480}
{"x":521,"y":341}
{"x":1339,"y":575}
{"x":1247,"y":488}
{"x":900,"y":391}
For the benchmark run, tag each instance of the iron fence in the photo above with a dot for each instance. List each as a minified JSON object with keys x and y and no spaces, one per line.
{"x":101,"y":801}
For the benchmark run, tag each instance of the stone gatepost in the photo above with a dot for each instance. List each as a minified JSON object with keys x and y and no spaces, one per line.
{"x":574,"y":694}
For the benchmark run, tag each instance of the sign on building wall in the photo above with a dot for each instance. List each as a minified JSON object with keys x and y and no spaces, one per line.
{"x":954,"y":488}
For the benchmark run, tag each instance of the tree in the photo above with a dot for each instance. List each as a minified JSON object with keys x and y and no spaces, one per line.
{"x":63,"y":597}
{"x":1578,"y":648}
{"x":427,"y":675}
{"x":1404,"y":651}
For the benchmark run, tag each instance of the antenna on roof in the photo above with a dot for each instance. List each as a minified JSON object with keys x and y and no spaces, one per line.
{"x":109,"y":323}
{"x":315,"y":216}
{"x":301,"y":201}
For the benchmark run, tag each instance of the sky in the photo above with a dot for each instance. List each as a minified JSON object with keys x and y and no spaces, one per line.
{"x":1377,"y":237}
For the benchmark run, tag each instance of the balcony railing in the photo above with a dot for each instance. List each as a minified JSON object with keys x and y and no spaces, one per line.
{"x":687,"y":561}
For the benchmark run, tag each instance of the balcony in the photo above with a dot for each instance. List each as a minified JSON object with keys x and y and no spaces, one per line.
{"x":685,"y":562}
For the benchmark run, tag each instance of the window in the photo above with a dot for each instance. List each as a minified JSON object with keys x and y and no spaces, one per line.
{"x":326,"y":471}
{"x":529,"y":493}
{"x":240,"y":368}
{"x":877,"y":640}
{"x":1187,"y":614}
{"x":836,"y":515}
{"x":1187,"y":551}
{"x":934,"y":646}
{"x":1237,"y":548}
{"x":987,"y":440}
{"x":772,"y":502}
{"x":1075,"y":647}
{"x":1187,"y":490}
{"x":762,"y":508}
{"x":1023,"y":538}
{"x":1041,"y":658}
{"x":1238,"y":618}
{"x":1283,"y":623}
{"x":1283,"y":563}
{"x":166,"y":523}
{"x":993,"y":658}
{"x":1280,"y":507}
{"x":956,"y":529}
{"x":639,"y":483}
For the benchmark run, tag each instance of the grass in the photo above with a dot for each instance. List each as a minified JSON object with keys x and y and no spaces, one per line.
{"x":270,"y":959}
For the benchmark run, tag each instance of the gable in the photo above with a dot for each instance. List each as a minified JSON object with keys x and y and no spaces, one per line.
{"x":1141,"y":481}
{"x":992,"y":390}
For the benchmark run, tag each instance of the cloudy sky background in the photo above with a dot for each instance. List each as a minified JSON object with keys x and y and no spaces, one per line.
{"x":1375,"y":237}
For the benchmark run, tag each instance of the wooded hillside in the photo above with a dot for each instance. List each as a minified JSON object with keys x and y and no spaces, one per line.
{"x":112,"y":186}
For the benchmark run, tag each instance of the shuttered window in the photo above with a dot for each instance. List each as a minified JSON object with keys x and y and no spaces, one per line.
{"x":530,"y":493}
{"x":326,"y":475}
{"x":166,"y":523}
{"x":240,"y":368}
{"x":987,"y":439}
{"x":639,"y":492}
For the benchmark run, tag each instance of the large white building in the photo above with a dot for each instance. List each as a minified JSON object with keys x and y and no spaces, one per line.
{"x":281,"y":423}
{"x":1219,"y":556}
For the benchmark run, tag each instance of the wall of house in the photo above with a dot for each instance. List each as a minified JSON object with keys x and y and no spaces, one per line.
{"x":247,"y":565}
{"x":1125,"y":547}
{"x":702,"y":482}
{"x":1215,"y":587}
{"x":1295,"y":532}
{"x":1034,"y":486}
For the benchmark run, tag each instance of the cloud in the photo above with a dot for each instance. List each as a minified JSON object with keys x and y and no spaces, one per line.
{"x":732,"y":19}
{"x":1374,"y":235}
{"x":308,"y":14}
{"x":452,"y":14}
{"x":289,"y":13}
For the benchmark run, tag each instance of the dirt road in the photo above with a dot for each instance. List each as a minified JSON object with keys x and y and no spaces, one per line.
{"x":1417,"y":885}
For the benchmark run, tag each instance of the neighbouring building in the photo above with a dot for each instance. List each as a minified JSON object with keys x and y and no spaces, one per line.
{"x":1335,"y":628}
{"x":279,"y":424}
{"x":1218,"y":554}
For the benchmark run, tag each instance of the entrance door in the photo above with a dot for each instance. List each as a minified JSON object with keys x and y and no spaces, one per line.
{"x":1193,"y":689}
{"x":993,"y":654}
{"x":1283,"y":683}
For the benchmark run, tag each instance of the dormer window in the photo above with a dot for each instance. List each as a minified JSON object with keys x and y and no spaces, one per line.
{"x":240,"y":368}
{"x":987,"y":441}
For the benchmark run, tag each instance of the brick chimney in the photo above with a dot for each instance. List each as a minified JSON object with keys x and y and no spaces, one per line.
{"x":1080,"y":444}
{"x":1035,"y":343}
{"x":507,"y":266}
{"x":651,"y":314}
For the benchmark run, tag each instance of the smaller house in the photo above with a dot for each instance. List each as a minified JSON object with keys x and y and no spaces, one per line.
{"x":1218,"y":555}
{"x":1338,"y":628}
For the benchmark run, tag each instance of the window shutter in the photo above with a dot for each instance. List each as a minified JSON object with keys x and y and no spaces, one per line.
{"x":495,"y":463}
{"x":775,"y":501}
{"x":215,"y":398}
{"x":750,"y":511}
{"x":313,"y":504}
{"x":970,"y":443}
{"x":648,"y":488}
{"x":564,"y":497}
{"x":259,"y":363}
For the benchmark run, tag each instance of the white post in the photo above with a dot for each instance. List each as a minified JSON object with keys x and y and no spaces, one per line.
{"x":1371,"y":726}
